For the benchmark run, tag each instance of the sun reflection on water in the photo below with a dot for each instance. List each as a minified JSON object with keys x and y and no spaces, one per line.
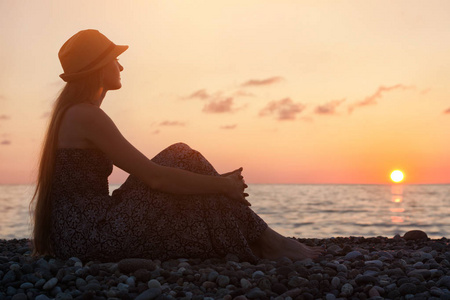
{"x":397,"y":201}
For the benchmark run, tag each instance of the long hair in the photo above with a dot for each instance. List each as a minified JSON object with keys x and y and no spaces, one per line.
{"x":84,"y":90}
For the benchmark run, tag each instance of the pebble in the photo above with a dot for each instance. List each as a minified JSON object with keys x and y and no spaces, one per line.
{"x":50,"y":284}
{"x":19,"y":296}
{"x":257,"y":275}
{"x":245,"y":283}
{"x":255,"y":293}
{"x":415,"y":235}
{"x":335,"y":282}
{"x":223,"y":280}
{"x":154,"y":284}
{"x":347,"y":290}
{"x":341,"y":268}
{"x":353,"y":255}
{"x":407,"y":288}
{"x":26,"y":285}
{"x":354,"y":268}
{"x":373,"y":292}
{"x":149,"y":294}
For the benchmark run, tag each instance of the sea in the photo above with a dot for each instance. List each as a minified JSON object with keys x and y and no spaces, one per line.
{"x":304,"y":211}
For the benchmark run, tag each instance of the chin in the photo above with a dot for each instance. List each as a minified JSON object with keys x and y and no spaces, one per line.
{"x":114,"y":87}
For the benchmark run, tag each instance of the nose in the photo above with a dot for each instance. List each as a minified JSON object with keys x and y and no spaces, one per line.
{"x":120,"y":67}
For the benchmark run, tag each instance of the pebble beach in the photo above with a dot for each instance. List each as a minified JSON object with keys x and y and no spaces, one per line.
{"x":408,"y":267}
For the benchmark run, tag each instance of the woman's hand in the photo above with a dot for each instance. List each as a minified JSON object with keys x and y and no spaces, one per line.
{"x":238,"y":186}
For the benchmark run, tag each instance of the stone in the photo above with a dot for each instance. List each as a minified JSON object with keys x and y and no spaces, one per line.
{"x":444,"y":281}
{"x":296,"y":281}
{"x":264,"y":283}
{"x":285,"y":270}
{"x":279,"y":288}
{"x":373,"y":292}
{"x":19,"y":296}
{"x":347,"y":290}
{"x":154,"y":284}
{"x":341,"y":268}
{"x":257,"y":275}
{"x":123,"y":287}
{"x":11,"y":291}
{"x":142,"y":275}
{"x":130,"y":281}
{"x":335,"y":282}
{"x":212,"y":276}
{"x":407,"y":288}
{"x":209,"y":285}
{"x":364,"y":279}
{"x":40,"y":283}
{"x":50,"y":283}
{"x":42,"y":263}
{"x":129,"y":265}
{"x":69,"y":277}
{"x":422,"y":272}
{"x":63,"y":296}
{"x":353,"y":255}
{"x":376,"y":262}
{"x":80,"y":282}
{"x":26,"y":285}
{"x":255,"y":293}
{"x":240,"y":297}
{"x":10,"y":276}
{"x":245,"y":284}
{"x":149,"y":294}
{"x":330,"y":297}
{"x":223,"y":280}
{"x":92,"y":286}
{"x":413,"y":235}
{"x":42,"y":297}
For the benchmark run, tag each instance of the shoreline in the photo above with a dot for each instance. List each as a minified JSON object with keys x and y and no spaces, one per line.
{"x":354,"y":267}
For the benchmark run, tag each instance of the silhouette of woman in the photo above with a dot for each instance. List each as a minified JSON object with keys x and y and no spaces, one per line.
{"x":175,"y":205}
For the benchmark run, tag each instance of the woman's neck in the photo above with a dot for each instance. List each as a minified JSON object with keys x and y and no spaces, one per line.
{"x":99,"y":98}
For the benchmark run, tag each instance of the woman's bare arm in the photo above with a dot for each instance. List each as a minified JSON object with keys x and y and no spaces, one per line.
{"x":101,"y":131}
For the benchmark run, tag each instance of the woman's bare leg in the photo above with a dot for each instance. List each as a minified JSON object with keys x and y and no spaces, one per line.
{"x":272,"y":245}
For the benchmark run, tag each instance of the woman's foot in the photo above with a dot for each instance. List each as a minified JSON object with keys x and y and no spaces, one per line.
{"x":273,"y":245}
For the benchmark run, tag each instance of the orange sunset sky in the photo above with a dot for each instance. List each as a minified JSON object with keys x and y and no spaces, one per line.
{"x":293,"y":91}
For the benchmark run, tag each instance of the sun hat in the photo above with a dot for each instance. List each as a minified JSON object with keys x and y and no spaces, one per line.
{"x":86,"y":52}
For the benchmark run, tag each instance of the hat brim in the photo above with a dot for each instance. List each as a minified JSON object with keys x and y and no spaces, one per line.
{"x":118,"y":49}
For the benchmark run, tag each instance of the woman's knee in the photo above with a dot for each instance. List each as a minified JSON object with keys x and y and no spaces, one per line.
{"x":179,"y":146}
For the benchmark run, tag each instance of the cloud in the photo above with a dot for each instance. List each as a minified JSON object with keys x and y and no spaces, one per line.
{"x":372,"y":99}
{"x":447,"y":111}
{"x":328,"y":108}
{"x":220,"y":106}
{"x":155,"y":132}
{"x":425,"y":91}
{"x":258,"y":82}
{"x":200,"y":94}
{"x":172,"y":123}
{"x":228,"y":127}
{"x":5,"y":117}
{"x":243,"y":94}
{"x":5,"y":142}
{"x":284,"y":109}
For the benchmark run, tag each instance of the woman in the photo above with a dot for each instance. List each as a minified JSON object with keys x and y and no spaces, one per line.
{"x":175,"y":205}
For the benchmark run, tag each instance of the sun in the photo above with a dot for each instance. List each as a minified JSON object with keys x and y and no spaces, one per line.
{"x":397,"y":176}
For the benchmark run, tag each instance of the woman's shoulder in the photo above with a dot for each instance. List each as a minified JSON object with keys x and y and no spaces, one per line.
{"x":83,"y":108}
{"x":84,"y":112}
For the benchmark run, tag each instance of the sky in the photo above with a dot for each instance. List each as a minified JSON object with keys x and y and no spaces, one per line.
{"x":333,"y":92}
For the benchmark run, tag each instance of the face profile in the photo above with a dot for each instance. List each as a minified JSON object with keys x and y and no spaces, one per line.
{"x":111,"y":75}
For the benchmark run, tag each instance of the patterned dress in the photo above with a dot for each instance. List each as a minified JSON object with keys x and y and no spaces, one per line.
{"x":137,"y":221}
